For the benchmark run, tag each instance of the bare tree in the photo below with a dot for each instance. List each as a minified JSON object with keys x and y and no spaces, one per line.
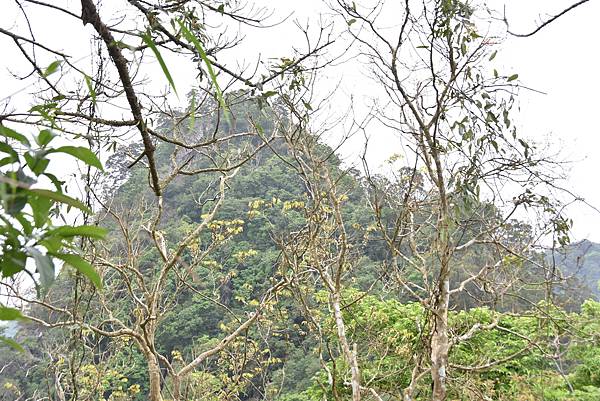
{"x":108,"y":105}
{"x":468,"y":172}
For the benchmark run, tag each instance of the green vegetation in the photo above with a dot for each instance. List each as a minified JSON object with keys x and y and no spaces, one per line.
{"x":504,"y":355}
{"x":228,"y":252}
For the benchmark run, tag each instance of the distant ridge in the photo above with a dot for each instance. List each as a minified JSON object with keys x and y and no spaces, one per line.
{"x":581,"y":260}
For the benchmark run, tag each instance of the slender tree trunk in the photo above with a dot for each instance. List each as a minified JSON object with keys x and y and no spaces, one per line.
{"x":176,"y":380}
{"x":349,"y":355}
{"x":439,"y":338}
{"x":155,"y":378}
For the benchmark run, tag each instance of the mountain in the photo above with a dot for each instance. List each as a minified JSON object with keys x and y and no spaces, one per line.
{"x":581,"y":260}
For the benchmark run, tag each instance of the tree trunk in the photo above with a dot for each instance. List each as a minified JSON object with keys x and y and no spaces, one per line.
{"x":439,"y":336}
{"x":176,"y":380}
{"x":349,"y":355}
{"x":155,"y":378}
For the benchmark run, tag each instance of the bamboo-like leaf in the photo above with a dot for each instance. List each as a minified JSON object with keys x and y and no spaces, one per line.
{"x":11,"y":343}
{"x":80,"y":152}
{"x":10,"y":133}
{"x":84,"y":231}
{"x":59,"y":197}
{"x":88,"y":82}
{"x":148,"y":40}
{"x":211,"y":72}
{"x":52,"y":68}
{"x":82,"y":265}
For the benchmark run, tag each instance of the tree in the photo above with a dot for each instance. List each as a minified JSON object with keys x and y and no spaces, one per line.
{"x":455,"y":117}
{"x":205,"y":139}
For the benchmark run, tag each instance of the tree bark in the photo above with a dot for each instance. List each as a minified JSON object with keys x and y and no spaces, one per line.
{"x":155,"y":378}
{"x":439,"y":340}
{"x":349,"y":355}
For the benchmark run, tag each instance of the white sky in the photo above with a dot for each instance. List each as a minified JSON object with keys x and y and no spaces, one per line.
{"x":562,"y":60}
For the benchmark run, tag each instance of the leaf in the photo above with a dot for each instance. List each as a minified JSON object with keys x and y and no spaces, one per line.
{"x":351,"y":21}
{"x":6,"y":148}
{"x":36,"y":162}
{"x":148,"y":40}
{"x":45,"y":137}
{"x":513,"y":77}
{"x":45,"y":267}
{"x":83,"y":266}
{"x":6,"y":160}
{"x":25,"y":224}
{"x":10,"y":133}
{"x":13,"y":263}
{"x":7,"y":313}
{"x":52,"y":244}
{"x":57,"y":183}
{"x":493,"y":56}
{"x":60,"y":197}
{"x":83,"y":154}
{"x":52,"y":68}
{"x":40,"y":207}
{"x":194,"y":40}
{"x":11,"y":343}
{"x":83,"y":231}
{"x":88,"y":83}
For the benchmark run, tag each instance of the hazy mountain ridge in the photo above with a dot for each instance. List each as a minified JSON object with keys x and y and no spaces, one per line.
{"x":581,"y":260}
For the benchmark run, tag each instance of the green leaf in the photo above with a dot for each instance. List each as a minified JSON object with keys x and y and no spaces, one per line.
{"x":52,"y":68}
{"x":52,"y":244}
{"x":513,"y":77}
{"x":45,"y":267}
{"x":7,"y":160}
{"x":13,"y":263}
{"x":6,"y":148}
{"x":57,"y":183}
{"x":83,"y":154}
{"x":40,"y":207}
{"x":84,"y":231}
{"x":83,"y":266}
{"x":493,"y":56}
{"x":88,"y":83}
{"x":351,"y":21}
{"x":37,"y":162}
{"x":60,"y":197}
{"x":194,"y":40}
{"x":11,"y":343}
{"x":27,"y":227}
{"x":15,"y":202}
{"x":7,"y":313}
{"x":45,"y":136}
{"x":148,"y":40}
{"x":10,"y":133}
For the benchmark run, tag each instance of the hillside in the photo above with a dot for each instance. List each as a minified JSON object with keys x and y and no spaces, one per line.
{"x":581,"y":260}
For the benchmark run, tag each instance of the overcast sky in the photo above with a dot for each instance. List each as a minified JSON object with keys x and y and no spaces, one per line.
{"x":562,"y":61}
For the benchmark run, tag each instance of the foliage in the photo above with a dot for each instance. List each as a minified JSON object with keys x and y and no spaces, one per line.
{"x":29,"y":213}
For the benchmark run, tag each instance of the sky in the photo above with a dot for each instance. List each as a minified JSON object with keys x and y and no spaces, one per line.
{"x":562,"y":61}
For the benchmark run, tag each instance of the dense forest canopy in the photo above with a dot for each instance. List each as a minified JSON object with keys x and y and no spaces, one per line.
{"x":226,"y":250}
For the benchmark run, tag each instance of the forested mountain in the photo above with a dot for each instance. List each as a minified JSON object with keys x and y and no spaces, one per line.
{"x":282,"y":356}
{"x":210,"y":241}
